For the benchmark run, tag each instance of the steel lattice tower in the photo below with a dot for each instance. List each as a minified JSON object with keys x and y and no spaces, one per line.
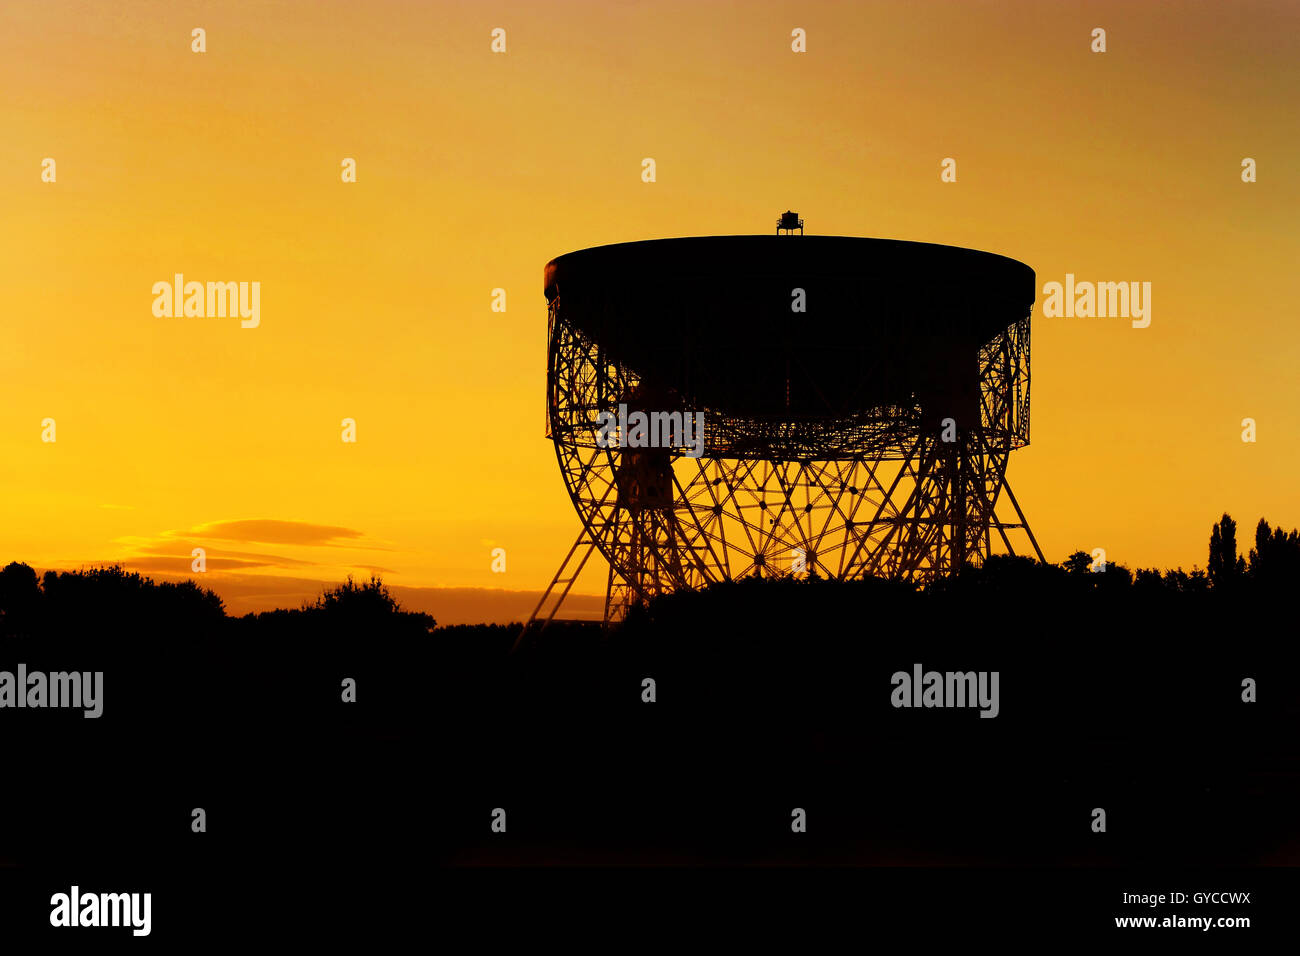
{"x":868,"y":435}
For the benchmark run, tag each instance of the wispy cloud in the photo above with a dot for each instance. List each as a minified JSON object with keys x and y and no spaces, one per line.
{"x":317,"y":549}
{"x":178,"y":550}
{"x":179,"y":564}
{"x":275,"y":531}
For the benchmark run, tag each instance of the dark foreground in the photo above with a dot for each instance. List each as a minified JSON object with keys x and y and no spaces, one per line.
{"x":770,"y":698}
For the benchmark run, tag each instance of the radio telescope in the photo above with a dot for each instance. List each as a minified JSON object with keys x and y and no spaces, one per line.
{"x":860,"y":401}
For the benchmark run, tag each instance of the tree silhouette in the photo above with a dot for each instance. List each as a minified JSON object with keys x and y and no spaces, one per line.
{"x":1275,"y":559}
{"x":1224,"y":568}
{"x":370,"y":598}
{"x":91,"y":600}
{"x":1078,"y":563}
{"x":20,"y":599}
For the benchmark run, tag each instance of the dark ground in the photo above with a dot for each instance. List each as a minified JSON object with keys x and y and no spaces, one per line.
{"x":770,"y":696}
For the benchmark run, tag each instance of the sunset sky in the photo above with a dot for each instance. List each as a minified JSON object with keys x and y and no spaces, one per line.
{"x":474,"y":169}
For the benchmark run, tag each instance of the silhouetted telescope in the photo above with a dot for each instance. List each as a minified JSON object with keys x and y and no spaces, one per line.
{"x":885,"y":324}
{"x":860,"y":399}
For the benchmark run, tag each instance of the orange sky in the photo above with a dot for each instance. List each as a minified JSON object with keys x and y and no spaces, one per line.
{"x":475,"y":168}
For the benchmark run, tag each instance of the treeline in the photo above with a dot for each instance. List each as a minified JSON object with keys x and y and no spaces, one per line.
{"x":94,"y":600}
{"x":1270,"y":566}
{"x":110,"y":598}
